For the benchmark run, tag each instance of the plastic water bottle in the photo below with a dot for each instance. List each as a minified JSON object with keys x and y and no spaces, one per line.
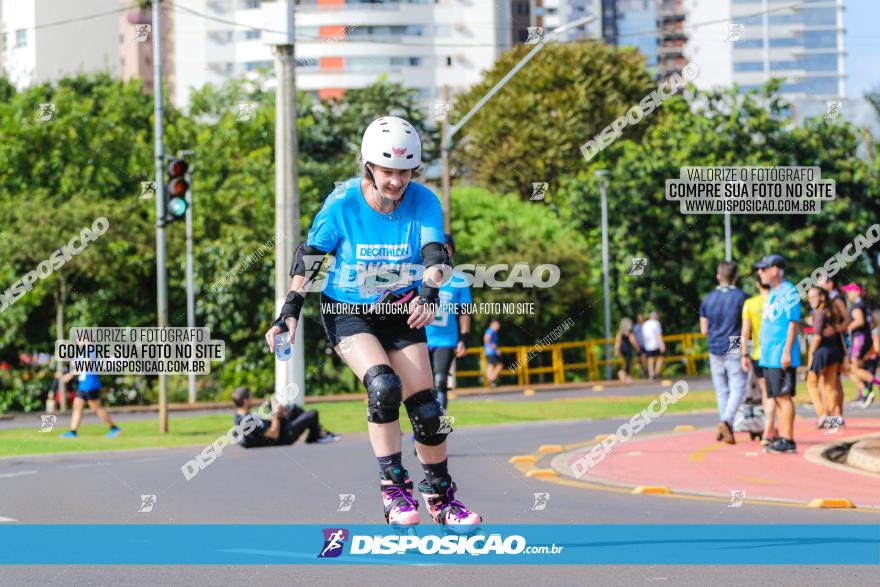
{"x":282,"y":346}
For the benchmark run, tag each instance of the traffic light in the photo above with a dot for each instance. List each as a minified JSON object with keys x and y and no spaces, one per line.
{"x":175,"y":190}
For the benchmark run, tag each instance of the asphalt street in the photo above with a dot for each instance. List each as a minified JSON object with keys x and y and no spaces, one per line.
{"x":302,"y":484}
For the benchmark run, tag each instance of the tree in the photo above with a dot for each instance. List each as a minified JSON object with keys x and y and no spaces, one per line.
{"x":532,"y":130}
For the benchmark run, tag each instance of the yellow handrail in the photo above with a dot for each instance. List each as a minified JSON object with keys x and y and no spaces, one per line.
{"x":521,"y":366}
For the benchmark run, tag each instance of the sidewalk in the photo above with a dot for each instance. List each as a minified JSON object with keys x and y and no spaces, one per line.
{"x":695,"y":463}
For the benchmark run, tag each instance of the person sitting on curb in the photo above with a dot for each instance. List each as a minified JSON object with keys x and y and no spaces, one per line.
{"x":284,"y":428}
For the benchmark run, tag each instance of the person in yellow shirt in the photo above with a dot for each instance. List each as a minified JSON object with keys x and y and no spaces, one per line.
{"x":753,"y":308}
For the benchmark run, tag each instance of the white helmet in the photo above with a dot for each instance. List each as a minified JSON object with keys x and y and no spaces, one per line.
{"x":392,"y":142}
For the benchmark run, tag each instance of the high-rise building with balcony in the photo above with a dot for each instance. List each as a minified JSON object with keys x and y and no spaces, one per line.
{"x":803,"y":43}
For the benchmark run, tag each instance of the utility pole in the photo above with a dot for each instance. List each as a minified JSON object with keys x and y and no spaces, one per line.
{"x":444,"y":160}
{"x":280,"y":15}
{"x":602,"y":174}
{"x":728,"y":248}
{"x":161,"y":252}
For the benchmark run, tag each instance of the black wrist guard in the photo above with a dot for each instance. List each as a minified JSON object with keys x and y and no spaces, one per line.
{"x":462,"y":337}
{"x":291,"y":309}
{"x":430,"y":295}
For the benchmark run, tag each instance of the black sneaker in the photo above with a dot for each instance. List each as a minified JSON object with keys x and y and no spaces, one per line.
{"x":782,"y":445}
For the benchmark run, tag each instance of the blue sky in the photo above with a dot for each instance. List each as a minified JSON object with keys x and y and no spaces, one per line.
{"x":862,"y":20}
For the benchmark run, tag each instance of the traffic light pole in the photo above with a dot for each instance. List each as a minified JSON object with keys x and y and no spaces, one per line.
{"x":161,"y":252}
{"x":190,"y":289}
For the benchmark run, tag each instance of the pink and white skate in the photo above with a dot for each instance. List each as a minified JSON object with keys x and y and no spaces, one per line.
{"x":445,"y":509}
{"x":401,"y":508}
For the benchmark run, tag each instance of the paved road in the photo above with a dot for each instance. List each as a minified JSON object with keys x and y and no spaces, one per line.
{"x":301,"y":484}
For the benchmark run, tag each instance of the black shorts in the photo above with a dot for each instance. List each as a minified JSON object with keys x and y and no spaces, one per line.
{"x":654,"y":353}
{"x":493,"y":359}
{"x":391,"y":330}
{"x":780,"y":382}
{"x":92,"y":394}
{"x":759,"y":370}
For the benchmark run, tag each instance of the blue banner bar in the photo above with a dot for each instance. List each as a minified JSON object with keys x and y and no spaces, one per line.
{"x":224,"y":544}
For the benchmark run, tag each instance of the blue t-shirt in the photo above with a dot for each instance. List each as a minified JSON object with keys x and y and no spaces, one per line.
{"x":370,"y":248}
{"x":493,"y":338}
{"x":723,"y":307}
{"x":443,"y":331}
{"x":87,"y":380}
{"x":774,"y":325}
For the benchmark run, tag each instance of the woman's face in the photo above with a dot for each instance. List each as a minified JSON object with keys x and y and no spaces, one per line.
{"x":391,"y":182}
{"x":814,"y":298}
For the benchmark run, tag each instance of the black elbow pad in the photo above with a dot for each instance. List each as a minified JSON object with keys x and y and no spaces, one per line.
{"x":307,"y":259}
{"x":435,"y":254}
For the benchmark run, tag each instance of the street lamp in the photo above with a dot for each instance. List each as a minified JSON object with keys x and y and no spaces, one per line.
{"x":448,"y":133}
{"x":602,"y":175}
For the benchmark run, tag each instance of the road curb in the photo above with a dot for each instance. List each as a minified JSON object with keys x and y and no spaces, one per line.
{"x":865,"y":455}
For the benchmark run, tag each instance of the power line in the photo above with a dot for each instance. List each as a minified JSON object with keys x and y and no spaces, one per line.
{"x":648,"y":33}
{"x":79,"y":18}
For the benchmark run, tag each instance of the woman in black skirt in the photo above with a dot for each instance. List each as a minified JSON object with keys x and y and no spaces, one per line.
{"x":825,"y":356}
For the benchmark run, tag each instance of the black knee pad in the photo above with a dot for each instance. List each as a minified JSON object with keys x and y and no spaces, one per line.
{"x":384,"y":394}
{"x":425,"y":414}
{"x":441,"y":381}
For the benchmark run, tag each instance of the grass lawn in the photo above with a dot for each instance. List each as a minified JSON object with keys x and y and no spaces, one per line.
{"x":339,"y":417}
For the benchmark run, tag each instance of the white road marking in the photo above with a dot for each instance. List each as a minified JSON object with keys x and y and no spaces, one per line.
{"x":2,"y":519}
{"x":17,"y":474}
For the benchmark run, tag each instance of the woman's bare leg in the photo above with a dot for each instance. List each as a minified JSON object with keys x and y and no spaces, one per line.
{"x":413,"y":367}
{"x":368,"y":352}
{"x":816,"y":395}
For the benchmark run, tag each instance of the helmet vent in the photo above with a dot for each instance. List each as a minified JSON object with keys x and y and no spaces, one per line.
{"x":386,"y":155}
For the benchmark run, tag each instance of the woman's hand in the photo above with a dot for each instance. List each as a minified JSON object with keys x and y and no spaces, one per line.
{"x":275,"y":331}
{"x":420,"y":315}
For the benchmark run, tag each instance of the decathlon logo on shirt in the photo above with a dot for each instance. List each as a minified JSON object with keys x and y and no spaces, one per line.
{"x":382,"y":251}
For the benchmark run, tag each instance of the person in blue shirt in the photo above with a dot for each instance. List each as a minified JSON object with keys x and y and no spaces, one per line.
{"x":780,"y":355}
{"x":449,"y":330}
{"x":721,"y":323}
{"x":379,"y":227}
{"x":88,"y":390}
{"x":490,"y":349}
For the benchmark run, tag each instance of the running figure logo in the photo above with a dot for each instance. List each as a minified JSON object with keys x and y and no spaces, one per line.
{"x":48,"y":422}
{"x":736,"y":498}
{"x":142,"y":32}
{"x":735,"y":344}
{"x":346,"y":345}
{"x":246,"y":112}
{"x":639,"y":266}
{"x":147,"y":503}
{"x":346,"y":500}
{"x":832,"y":424}
{"x":45,"y":111}
{"x":832,"y":110}
{"x":441,"y":111}
{"x":334,"y":540}
{"x":538,"y":190}
{"x":148,"y":190}
{"x":536,"y":35}
{"x":446,"y":423}
{"x":541,"y":500}
{"x":735,"y":31}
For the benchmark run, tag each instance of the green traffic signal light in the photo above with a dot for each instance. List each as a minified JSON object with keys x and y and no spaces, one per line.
{"x":177,"y":207}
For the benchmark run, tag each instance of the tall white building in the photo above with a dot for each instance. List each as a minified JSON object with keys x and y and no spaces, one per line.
{"x":43,"y":40}
{"x":345,"y":44}
{"x":761,"y":39}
